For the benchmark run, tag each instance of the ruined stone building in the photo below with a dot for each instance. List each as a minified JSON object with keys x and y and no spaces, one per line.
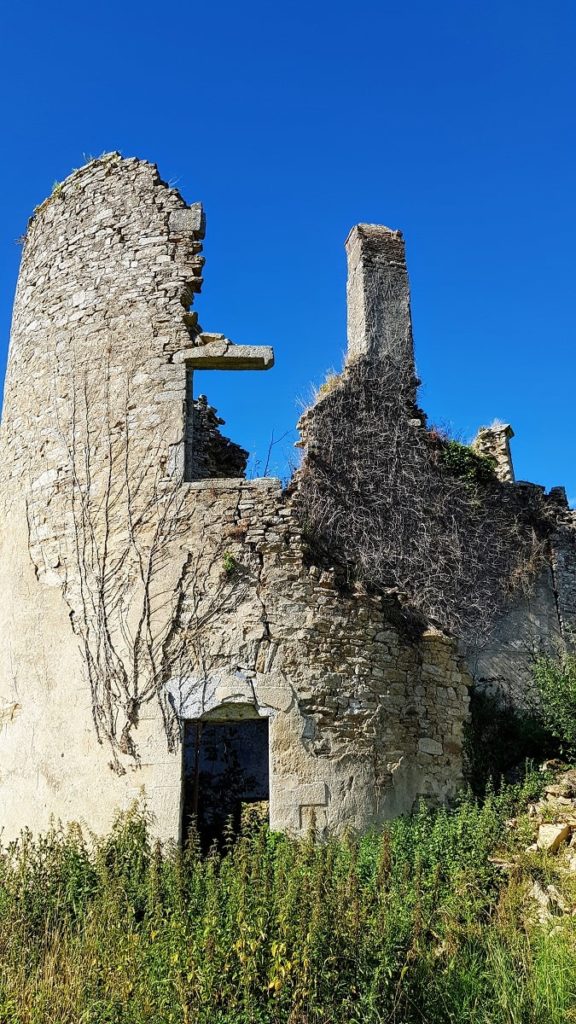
{"x":169,"y":629}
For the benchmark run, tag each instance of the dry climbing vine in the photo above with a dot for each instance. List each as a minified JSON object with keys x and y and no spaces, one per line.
{"x":140,"y":600}
{"x":401,"y":508}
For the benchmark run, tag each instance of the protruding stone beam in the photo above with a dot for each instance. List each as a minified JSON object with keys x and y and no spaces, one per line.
{"x":378,"y":294}
{"x":216,"y":352}
{"x":494,"y":442}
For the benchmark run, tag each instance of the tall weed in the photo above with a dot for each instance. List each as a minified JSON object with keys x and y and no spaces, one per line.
{"x":407,"y":925}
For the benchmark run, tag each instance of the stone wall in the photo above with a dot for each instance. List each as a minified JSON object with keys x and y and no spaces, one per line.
{"x":541,"y":618}
{"x":146,"y":583}
{"x":494,"y":443}
{"x":207,"y":452}
{"x":134,"y":600}
{"x":362,"y":719}
{"x":91,"y":434}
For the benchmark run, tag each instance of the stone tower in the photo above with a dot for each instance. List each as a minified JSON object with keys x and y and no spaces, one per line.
{"x":165,"y":633}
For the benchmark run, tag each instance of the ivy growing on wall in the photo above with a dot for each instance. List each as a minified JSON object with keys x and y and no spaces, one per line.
{"x":467,"y":464}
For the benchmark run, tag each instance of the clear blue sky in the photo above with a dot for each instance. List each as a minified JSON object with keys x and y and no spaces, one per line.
{"x":453,"y":121}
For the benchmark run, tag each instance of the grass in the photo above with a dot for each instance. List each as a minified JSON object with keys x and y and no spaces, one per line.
{"x":413,"y":925}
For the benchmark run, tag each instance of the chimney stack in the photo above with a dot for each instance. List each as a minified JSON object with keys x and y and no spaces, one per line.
{"x":378,"y":296}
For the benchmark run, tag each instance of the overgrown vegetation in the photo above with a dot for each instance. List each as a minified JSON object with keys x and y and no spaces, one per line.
{"x":413,"y":925}
{"x":556,"y":683}
{"x":465,"y":463}
{"x":500,"y":737}
{"x":331,"y":381}
{"x":403,"y":508}
{"x":501,"y":734}
{"x":229,"y":563}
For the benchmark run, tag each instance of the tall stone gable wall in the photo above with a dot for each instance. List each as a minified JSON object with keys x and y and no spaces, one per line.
{"x":197,"y":598}
{"x":109,"y":263}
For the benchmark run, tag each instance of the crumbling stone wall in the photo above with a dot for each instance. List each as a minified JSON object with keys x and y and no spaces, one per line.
{"x":146,"y":583}
{"x":133,"y":599}
{"x":208,"y":453}
{"x":405,"y":509}
{"x":91,"y":435}
{"x":362,"y":719}
{"x":540,"y":619}
{"x":494,"y":443}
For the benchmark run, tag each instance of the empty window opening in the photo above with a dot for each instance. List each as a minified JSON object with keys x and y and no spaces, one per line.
{"x":225,"y":769}
{"x":207,"y":452}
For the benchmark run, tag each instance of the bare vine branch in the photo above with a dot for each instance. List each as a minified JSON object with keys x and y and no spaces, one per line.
{"x":140,"y":602}
{"x":380,"y":496}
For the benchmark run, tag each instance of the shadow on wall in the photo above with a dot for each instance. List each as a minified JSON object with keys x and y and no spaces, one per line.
{"x":500,"y":738}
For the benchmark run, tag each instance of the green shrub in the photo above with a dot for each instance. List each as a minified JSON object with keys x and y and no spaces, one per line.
{"x":556,"y":682}
{"x":229,"y":563}
{"x":462,"y":461}
{"x":500,"y":737}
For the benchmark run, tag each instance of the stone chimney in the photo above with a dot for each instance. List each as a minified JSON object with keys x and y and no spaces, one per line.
{"x":378,"y":295}
{"x":494,"y":442}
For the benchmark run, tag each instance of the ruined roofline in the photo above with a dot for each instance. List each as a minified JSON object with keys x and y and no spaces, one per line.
{"x":380,"y":327}
{"x":111,"y":159}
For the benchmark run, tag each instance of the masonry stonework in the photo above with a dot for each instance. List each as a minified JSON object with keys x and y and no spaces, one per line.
{"x":494,"y":443}
{"x":146,"y":583}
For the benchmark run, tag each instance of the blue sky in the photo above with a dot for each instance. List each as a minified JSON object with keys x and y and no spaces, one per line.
{"x":453,"y":121}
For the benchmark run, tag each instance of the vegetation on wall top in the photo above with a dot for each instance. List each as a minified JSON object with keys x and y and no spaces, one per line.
{"x":403,"y":508}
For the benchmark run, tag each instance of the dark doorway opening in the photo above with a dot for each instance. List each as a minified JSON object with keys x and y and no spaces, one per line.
{"x":225,"y":767}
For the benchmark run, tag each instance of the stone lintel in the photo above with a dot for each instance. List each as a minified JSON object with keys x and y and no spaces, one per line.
{"x":378,"y":296}
{"x":234,"y":484}
{"x":225,"y":355}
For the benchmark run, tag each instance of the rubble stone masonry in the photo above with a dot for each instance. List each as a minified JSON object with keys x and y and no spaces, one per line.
{"x":143,"y":585}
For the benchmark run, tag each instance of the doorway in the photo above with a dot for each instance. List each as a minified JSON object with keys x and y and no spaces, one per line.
{"x":226,"y":766}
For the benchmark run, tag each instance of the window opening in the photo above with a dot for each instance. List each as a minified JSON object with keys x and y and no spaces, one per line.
{"x":208,"y":454}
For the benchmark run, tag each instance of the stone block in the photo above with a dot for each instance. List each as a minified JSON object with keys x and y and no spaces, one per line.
{"x":189,"y":221}
{"x":551,"y":837}
{"x":313,"y":794}
{"x":225,"y":355}
{"x":426,"y":745}
{"x":278,"y":697}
